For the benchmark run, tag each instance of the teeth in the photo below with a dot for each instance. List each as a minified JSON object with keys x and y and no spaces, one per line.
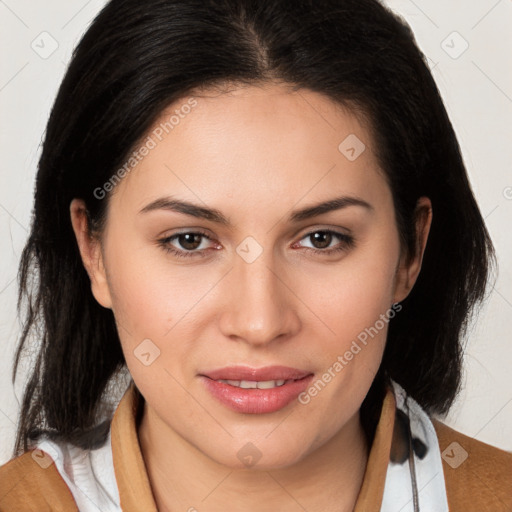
{"x":252,"y":384}
{"x":248,"y":384}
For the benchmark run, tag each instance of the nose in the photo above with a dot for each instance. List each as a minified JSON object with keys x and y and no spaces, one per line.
{"x":260,"y":305}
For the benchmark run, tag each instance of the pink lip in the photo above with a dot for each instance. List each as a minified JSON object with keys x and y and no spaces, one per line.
{"x":256,"y":401}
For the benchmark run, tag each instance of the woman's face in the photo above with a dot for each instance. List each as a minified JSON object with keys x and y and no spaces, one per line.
{"x":258,"y":278}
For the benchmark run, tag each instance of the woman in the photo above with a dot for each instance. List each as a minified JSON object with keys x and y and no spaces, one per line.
{"x":260,"y":211}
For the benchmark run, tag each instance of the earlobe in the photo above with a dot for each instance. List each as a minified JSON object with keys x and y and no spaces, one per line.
{"x":90,"y":252}
{"x":410,"y":265}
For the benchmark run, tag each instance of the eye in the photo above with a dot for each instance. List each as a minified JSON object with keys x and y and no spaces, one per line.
{"x":190,"y":241}
{"x":323,"y":238}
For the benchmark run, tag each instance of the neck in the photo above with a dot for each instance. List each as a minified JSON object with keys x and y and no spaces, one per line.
{"x":183,"y":478}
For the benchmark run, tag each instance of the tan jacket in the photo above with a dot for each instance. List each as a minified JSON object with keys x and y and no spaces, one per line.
{"x":482,"y":483}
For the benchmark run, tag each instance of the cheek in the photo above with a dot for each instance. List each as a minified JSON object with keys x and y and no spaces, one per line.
{"x":351,"y":295}
{"x":354,"y":299}
{"x":150,"y":295}
{"x":158,"y":306}
{"x":357,"y":308}
{"x":150,"y":308}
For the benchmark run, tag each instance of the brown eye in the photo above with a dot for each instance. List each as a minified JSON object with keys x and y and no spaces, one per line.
{"x":189,"y":241}
{"x":186,"y":244}
{"x":322,"y":239}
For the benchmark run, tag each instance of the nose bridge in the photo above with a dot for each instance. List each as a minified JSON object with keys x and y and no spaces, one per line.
{"x":260,"y":308}
{"x":259,"y":279}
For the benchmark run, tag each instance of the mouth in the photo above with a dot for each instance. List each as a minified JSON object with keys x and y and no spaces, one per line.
{"x":254,"y":384}
{"x":256,"y":390}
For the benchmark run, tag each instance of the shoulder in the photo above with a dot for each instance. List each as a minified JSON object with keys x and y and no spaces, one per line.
{"x":478,"y":476}
{"x":31,"y":482}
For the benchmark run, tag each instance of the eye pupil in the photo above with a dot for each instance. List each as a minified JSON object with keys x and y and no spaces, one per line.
{"x":188,"y":239}
{"x":323,"y":237}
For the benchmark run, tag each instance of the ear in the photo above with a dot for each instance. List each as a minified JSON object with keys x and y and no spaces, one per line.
{"x":410,"y":264}
{"x":90,"y":251}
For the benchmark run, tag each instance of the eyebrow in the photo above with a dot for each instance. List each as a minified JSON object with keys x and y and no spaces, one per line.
{"x":214,"y":215}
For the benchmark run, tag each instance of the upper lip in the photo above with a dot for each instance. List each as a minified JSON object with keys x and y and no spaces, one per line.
{"x":256,"y":374}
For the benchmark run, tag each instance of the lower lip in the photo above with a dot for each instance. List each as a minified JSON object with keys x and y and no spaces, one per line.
{"x":256,"y":401}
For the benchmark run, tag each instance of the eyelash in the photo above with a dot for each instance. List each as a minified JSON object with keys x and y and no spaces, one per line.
{"x":347,"y":242}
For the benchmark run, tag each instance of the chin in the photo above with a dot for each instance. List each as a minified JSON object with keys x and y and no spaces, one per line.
{"x":259,"y":455}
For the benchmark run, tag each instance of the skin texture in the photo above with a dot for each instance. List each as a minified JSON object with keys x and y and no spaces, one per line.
{"x":255,"y":154}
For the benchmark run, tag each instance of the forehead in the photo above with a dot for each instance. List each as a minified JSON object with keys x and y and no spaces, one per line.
{"x":257,"y":143}
{"x":270,"y":114}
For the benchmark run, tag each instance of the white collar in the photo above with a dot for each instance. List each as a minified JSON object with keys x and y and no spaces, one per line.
{"x":428,"y":471}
